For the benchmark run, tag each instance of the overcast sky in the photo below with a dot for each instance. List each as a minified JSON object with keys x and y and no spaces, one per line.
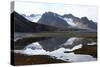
{"x":39,"y":8}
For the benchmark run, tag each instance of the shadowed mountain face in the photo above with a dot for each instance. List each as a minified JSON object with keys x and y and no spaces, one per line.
{"x":90,"y":23}
{"x":23,"y":25}
{"x":53,"y":19}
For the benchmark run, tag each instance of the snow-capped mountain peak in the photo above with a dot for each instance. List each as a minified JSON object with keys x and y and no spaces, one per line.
{"x":33,"y":18}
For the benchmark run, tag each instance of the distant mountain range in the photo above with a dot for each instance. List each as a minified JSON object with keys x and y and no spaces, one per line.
{"x":32,"y":17}
{"x":66,"y":21}
{"x":21,"y":24}
{"x":82,"y":23}
{"x":51,"y":22}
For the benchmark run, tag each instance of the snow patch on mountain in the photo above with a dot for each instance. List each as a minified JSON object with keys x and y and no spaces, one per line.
{"x":70,"y":21}
{"x":73,"y":23}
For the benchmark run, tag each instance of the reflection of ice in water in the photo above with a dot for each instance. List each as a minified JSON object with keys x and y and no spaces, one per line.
{"x":93,"y":43}
{"x":71,"y":56}
{"x":32,"y":49}
{"x":36,"y":49}
{"x":71,"y":40}
{"x":76,"y":47}
{"x":34,"y":46}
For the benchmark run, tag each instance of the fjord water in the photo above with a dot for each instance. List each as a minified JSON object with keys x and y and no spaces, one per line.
{"x":60,"y":47}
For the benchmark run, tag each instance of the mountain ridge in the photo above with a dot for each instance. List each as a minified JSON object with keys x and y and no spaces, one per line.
{"x":67,"y":21}
{"x":23,"y":25}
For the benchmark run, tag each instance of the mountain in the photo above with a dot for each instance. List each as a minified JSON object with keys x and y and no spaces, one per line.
{"x":32,"y":17}
{"x":90,"y":23}
{"x":53,"y":19}
{"x":81,"y":23}
{"x":67,"y":21}
{"x":23,"y":25}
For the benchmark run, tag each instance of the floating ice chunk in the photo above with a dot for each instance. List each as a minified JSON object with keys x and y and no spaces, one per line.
{"x":93,"y":43}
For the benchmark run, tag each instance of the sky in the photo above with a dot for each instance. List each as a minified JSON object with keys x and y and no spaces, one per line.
{"x":39,"y":8}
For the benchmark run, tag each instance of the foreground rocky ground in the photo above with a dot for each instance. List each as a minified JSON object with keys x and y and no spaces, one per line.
{"x":87,"y":49}
{"x":21,"y":59}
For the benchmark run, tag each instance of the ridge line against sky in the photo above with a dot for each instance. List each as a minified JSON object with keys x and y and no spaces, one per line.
{"x":39,"y":8}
